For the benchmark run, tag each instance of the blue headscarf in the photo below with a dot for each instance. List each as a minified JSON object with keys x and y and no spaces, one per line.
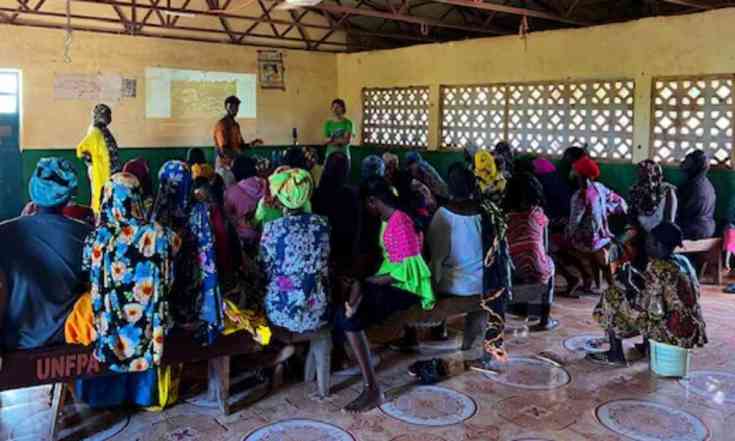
{"x":372,"y":165}
{"x":53,"y":183}
{"x":174,"y":194}
{"x":197,"y":279}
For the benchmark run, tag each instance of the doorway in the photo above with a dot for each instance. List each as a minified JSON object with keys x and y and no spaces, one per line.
{"x":11,"y":177}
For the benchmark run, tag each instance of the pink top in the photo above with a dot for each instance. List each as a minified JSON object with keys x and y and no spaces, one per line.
{"x":400,"y":239}
{"x":241,"y":200}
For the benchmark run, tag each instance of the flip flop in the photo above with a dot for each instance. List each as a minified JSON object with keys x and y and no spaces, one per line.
{"x":730,"y":289}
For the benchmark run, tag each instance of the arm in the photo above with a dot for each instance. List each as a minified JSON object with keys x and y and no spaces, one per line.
{"x":439,"y":242}
{"x":671,"y":206}
{"x":615,"y":203}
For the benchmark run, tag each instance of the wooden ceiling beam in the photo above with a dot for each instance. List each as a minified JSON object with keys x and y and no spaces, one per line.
{"x":524,"y":12}
{"x":336,"y":9}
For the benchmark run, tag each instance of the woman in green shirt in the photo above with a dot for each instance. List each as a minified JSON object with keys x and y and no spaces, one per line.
{"x":339,"y":131}
{"x":403,"y":280}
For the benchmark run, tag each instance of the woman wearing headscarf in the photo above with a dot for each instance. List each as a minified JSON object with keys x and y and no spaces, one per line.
{"x":241,"y":201}
{"x":294,"y":256}
{"x":503,"y":154}
{"x":491,"y":180}
{"x":424,"y":172}
{"x":392,"y":166}
{"x":661,"y":304}
{"x":697,"y":198}
{"x":41,"y":274}
{"x":130,"y":263}
{"x":196,"y":298}
{"x":100,"y":152}
{"x":652,"y":201}
{"x":138,"y":167}
{"x":557,"y":191}
{"x":372,"y":165}
{"x":588,"y":230}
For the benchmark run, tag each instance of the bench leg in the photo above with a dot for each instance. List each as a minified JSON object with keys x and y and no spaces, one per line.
{"x":219,"y":382}
{"x":318,"y":363}
{"x":57,"y":406}
{"x":474,"y":326}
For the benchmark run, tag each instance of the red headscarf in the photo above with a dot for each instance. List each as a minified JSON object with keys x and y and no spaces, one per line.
{"x":587,"y":168}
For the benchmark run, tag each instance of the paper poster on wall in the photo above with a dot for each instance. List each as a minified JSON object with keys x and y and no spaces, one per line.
{"x":194,"y":94}
{"x":271,"y":73}
{"x":93,"y":87}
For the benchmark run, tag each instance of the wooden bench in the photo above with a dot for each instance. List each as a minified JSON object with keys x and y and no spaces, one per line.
{"x":59,"y":365}
{"x":710,"y":253}
{"x":318,"y":359}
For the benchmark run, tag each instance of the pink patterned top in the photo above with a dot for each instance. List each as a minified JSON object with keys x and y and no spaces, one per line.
{"x":400,"y":238}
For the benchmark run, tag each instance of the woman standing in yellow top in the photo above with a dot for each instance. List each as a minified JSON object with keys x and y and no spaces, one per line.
{"x":100,"y":153}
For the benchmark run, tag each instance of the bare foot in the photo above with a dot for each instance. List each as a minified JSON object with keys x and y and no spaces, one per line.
{"x":369,"y":399}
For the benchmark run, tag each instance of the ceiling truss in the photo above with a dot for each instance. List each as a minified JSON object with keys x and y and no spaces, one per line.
{"x":330,"y":26}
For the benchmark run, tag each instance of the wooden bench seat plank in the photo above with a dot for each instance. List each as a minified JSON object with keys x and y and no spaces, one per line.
{"x":65,"y":363}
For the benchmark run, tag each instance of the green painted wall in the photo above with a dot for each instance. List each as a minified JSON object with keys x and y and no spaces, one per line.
{"x":615,"y":175}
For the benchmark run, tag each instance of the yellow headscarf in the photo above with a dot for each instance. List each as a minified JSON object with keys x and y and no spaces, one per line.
{"x":487,"y":172}
{"x":292,"y":187}
{"x":202,"y":171}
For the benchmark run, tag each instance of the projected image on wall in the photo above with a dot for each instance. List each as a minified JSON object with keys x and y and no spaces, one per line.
{"x":194,"y":94}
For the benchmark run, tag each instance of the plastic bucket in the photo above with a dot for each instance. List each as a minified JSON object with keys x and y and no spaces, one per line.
{"x":668,"y":360}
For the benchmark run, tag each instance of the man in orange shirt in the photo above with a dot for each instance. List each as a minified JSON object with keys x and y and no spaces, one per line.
{"x":228,"y":140}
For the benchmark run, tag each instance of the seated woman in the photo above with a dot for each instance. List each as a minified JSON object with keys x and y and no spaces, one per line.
{"x":241,"y":201}
{"x":403,"y":280}
{"x":662,"y":303}
{"x":372,"y":165}
{"x":697,"y":198}
{"x":504,"y":156}
{"x":528,"y":242}
{"x":652,"y":201}
{"x":40,"y":266}
{"x":131,"y":271}
{"x":313,"y":164}
{"x":196,"y":300}
{"x":457,"y":239}
{"x":139,"y":168}
{"x":491,"y":180}
{"x":340,"y":204}
{"x":392,"y":165}
{"x":294,"y":256}
{"x":422,"y":171}
{"x":588,"y":230}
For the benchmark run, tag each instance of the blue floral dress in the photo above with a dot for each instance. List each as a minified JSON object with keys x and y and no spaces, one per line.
{"x":130,"y":265}
{"x":294,"y":255}
{"x":196,"y":298}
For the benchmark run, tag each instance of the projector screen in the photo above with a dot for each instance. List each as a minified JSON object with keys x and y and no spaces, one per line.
{"x":195,"y":94}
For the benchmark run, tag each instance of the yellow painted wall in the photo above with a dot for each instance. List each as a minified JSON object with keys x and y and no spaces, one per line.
{"x":691,"y":44}
{"x":50,"y":123}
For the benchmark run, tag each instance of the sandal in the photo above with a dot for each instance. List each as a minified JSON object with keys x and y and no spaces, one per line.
{"x":730,"y":289}
{"x":602,"y":359}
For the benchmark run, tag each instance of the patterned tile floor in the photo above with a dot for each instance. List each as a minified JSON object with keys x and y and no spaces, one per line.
{"x":530,"y":400}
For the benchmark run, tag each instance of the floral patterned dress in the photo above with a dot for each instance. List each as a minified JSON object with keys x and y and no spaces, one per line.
{"x":130,"y":264}
{"x":294,"y":255}
{"x":667,"y":309}
{"x":196,"y":297}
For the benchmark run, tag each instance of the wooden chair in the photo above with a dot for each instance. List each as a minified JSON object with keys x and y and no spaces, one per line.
{"x":709,"y":252}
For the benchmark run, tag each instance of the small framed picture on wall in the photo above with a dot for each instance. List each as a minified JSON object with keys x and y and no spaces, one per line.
{"x":271,"y":73}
